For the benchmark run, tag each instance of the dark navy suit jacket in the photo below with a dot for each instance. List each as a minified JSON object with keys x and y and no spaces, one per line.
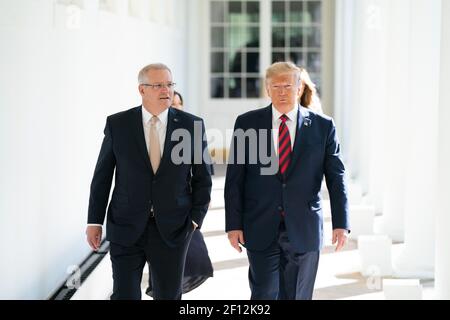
{"x":179,"y":193}
{"x":253,"y":202}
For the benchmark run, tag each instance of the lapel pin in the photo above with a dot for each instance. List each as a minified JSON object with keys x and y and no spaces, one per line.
{"x":175,"y":119}
{"x":307,"y":122}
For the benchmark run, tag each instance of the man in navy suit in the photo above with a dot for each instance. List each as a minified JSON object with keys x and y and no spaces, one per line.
{"x":273,"y":208}
{"x":161,"y":192}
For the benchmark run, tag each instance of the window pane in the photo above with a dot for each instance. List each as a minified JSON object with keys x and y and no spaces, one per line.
{"x":253,"y":87}
{"x":235,"y":38}
{"x":235,"y":87}
{"x":296,"y":11}
{"x":314,"y":11}
{"x":298,"y":58}
{"x":251,"y":37}
{"x":217,"y":62}
{"x":235,"y":61}
{"x":235,"y":12}
{"x":278,"y":37}
{"x":296,"y":37}
{"x":278,"y":11}
{"x":253,"y":11}
{"x":217,"y":87}
{"x":313,"y":37}
{"x":314,"y":62}
{"x":217,"y":11}
{"x":252,"y":62}
{"x":278,"y":56}
{"x":218,"y":37}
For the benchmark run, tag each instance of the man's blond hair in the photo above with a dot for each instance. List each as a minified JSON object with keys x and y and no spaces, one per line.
{"x":282,"y":68}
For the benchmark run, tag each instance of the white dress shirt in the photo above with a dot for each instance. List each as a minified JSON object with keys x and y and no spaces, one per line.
{"x":291,"y":124}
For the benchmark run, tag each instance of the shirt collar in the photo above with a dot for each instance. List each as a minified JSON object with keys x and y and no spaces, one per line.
{"x":292,"y":115}
{"x":163,"y":116}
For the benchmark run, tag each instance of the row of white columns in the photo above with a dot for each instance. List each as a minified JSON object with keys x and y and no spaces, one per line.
{"x":393,"y":118}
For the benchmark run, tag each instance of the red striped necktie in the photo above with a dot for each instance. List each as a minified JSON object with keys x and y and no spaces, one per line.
{"x":284,"y":146}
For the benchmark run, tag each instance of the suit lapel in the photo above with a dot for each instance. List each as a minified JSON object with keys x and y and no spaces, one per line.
{"x":140,"y":137}
{"x":301,"y":137}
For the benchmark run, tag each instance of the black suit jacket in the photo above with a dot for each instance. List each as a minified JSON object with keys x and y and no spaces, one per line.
{"x":179,"y":193}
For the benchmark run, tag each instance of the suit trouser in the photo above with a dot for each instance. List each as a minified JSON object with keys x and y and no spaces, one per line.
{"x":280,"y":273}
{"x":167,"y":266}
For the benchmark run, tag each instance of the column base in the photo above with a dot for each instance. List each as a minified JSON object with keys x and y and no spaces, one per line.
{"x":388,"y":226}
{"x":410,"y":263}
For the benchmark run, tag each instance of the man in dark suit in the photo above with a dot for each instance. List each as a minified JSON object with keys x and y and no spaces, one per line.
{"x":161,"y":192}
{"x":273,"y":207}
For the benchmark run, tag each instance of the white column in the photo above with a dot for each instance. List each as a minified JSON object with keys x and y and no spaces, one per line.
{"x":343,"y":65}
{"x":354,"y":107}
{"x":398,"y":106}
{"x":376,"y":12}
{"x":417,"y":256}
{"x":361,"y":134}
{"x":442,"y":278}
{"x":368,"y":96}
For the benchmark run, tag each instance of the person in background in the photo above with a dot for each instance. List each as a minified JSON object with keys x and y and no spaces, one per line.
{"x":198,"y":267}
{"x":309,"y":98}
{"x":177,"y":101}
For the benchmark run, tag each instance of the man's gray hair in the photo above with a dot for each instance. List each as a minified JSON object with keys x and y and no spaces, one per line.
{"x":142,"y":77}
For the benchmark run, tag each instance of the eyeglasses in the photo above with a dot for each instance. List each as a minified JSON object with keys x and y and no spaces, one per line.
{"x":159,"y":86}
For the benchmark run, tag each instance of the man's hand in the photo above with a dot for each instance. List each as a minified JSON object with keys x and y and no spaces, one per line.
{"x":236,"y":237}
{"x":94,"y":236}
{"x":339,"y":237}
